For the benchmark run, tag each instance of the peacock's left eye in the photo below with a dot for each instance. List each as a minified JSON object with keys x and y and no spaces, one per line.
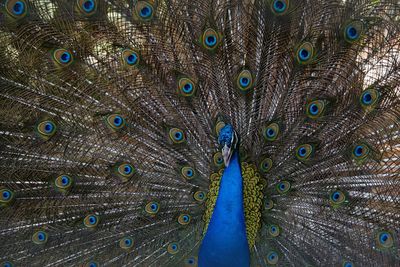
{"x":283,"y":187}
{"x":271,"y":131}
{"x":353,"y":31}
{"x":280,"y":7}
{"x":186,"y":87}
{"x":199,"y":196}
{"x":337,"y":197}
{"x":210,"y":39}
{"x":304,"y":53}
{"x":152,"y":208}
{"x":272,"y":257}
{"x":384,"y":239}
{"x":173,"y":248}
{"x":360,"y":152}
{"x":6,"y":196}
{"x":144,"y":11}
{"x":369,"y":98}
{"x":16,"y":8}
{"x":87,"y":7}
{"x":274,"y":230}
{"x":191,"y":261}
{"x":184,"y":219}
{"x":126,"y":243}
{"x":315,"y":109}
{"x":63,"y":182}
{"x":130,"y":57}
{"x":46,"y":129}
{"x":62,"y":57}
{"x":91,"y":221}
{"x":187,"y":172}
{"x":176,"y":135}
{"x":304,"y":152}
{"x":244,"y":80}
{"x":39,"y":237}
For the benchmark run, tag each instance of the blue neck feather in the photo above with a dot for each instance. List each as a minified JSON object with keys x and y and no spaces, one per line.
{"x":225,"y":242}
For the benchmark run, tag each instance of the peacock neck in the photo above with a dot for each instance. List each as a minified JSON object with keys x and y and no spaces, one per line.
{"x":225,"y":242}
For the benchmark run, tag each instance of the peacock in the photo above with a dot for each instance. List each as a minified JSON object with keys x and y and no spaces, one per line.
{"x":203,"y":133}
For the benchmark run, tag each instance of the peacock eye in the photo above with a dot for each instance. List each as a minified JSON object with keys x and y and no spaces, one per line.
{"x":369,"y":98}
{"x":39,"y":237}
{"x":268,"y":204}
{"x":186,"y":87}
{"x":271,"y":131}
{"x":218,"y":159}
{"x":384,"y":239}
{"x":62,"y":57}
{"x":115,"y":121}
{"x":63,"y":183}
{"x":337,"y":198}
{"x":125,"y":171}
{"x":87,"y":7}
{"x":177,"y":136}
{"x":272,"y":257}
{"x":144,"y":11}
{"x":152,"y":208}
{"x":280,"y":7}
{"x":92,"y":264}
{"x":283,"y":187}
{"x":305,"y":53}
{"x":266,"y":165}
{"x":315,"y":109}
{"x":126,"y":243}
{"x":46,"y":129}
{"x":210,"y":39}
{"x":16,"y":8}
{"x":274,"y":230}
{"x":360,"y":152}
{"x":130,"y":58}
{"x":184,"y":219}
{"x":353,"y":31}
{"x":191,"y":261}
{"x":187,"y":172}
{"x":304,"y":152}
{"x":91,"y":221}
{"x":7,"y":264}
{"x":347,"y":264}
{"x":199,"y":196}
{"x":244,"y":80}
{"x":6,"y":196}
{"x":173,"y":248}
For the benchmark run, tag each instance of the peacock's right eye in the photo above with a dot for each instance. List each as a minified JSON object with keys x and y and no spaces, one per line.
{"x":272,"y":257}
{"x":130,"y":57}
{"x":152,"y":208}
{"x":62,"y":57}
{"x":16,"y":8}
{"x":184,"y":219}
{"x":126,"y":243}
{"x":186,"y":87}
{"x":173,"y":248}
{"x":91,"y":221}
{"x":39,"y":237}
{"x":305,"y":53}
{"x":176,"y":135}
{"x":280,"y":7}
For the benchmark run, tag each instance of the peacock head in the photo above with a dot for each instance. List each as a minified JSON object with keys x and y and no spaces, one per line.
{"x":229,"y":141}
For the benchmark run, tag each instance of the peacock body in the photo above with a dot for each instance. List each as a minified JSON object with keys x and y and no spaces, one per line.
{"x":199,"y":133}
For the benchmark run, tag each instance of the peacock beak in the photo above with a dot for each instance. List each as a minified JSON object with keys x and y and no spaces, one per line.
{"x":227,"y":154}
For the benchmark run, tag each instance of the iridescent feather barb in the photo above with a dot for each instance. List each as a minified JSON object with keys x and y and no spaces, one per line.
{"x":111,"y":112}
